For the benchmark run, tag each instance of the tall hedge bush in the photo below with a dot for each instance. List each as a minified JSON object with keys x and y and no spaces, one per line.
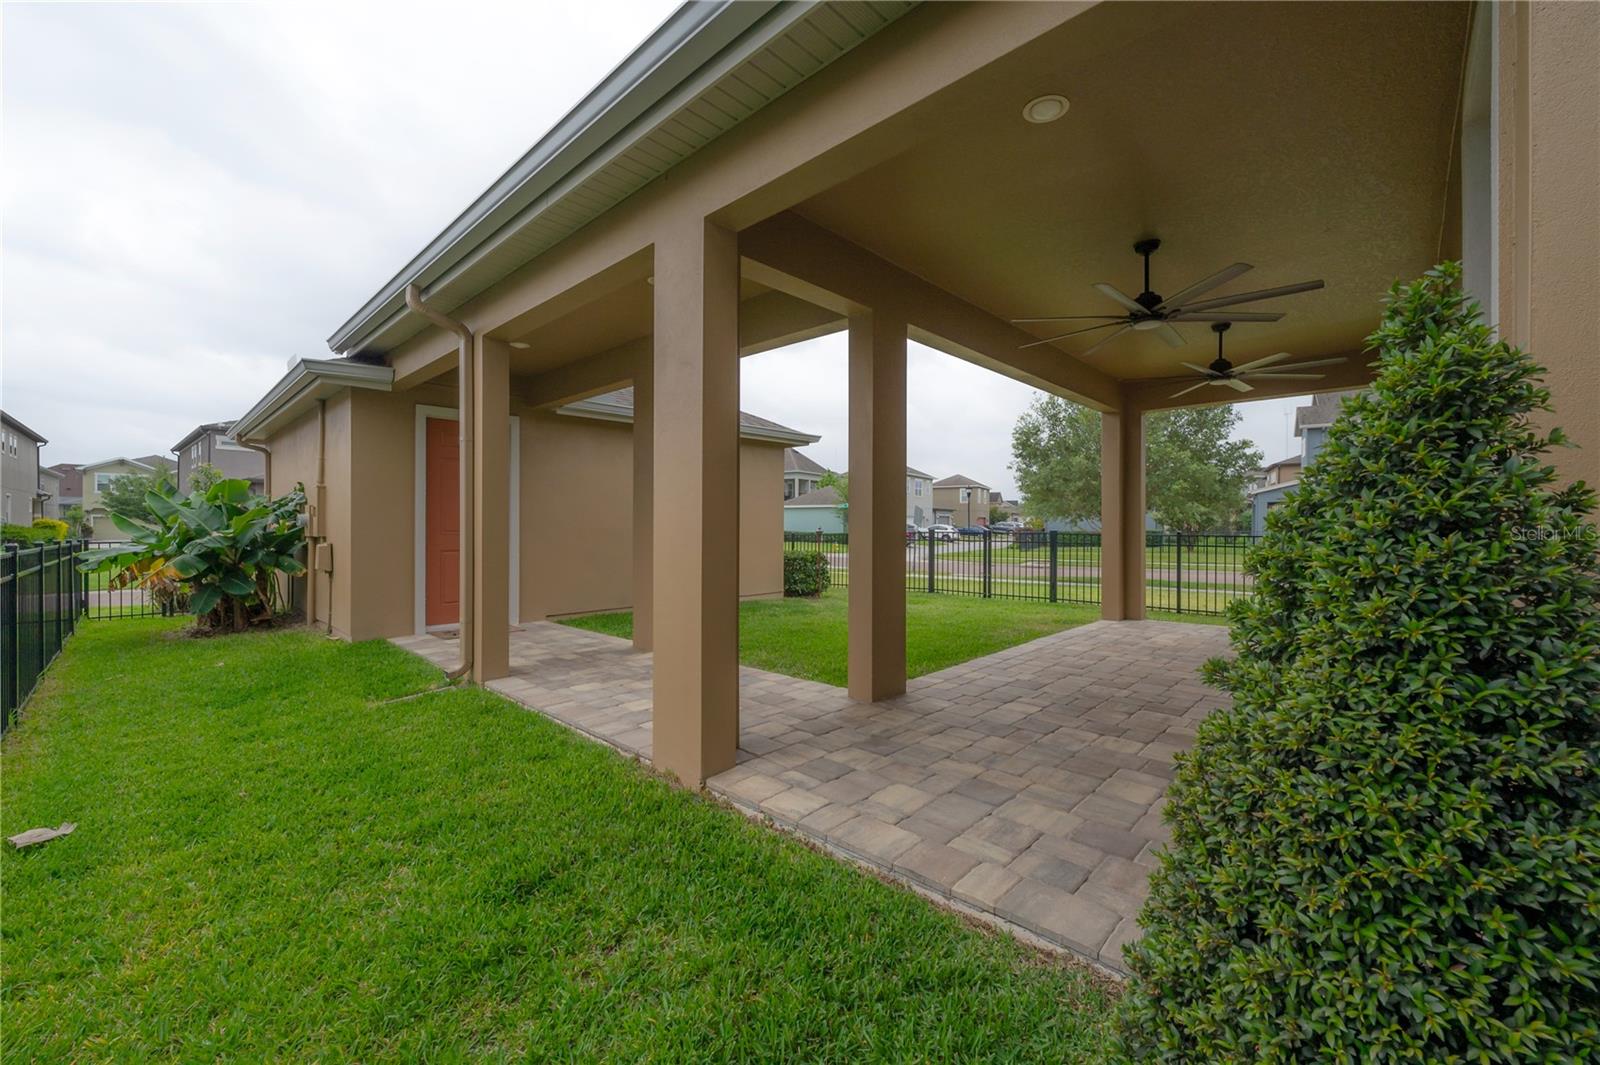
{"x":1388,"y":849}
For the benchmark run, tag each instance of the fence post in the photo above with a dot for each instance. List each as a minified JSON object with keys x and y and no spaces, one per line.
{"x":989,"y":566}
{"x":1055,"y":595}
{"x":1179,"y":609}
{"x":931,"y":541}
{"x":13,"y":679}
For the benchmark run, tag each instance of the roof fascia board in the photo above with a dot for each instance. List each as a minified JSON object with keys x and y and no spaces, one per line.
{"x":306,"y":377}
{"x":663,"y":72}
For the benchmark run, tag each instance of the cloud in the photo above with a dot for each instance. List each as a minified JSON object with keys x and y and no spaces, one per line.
{"x":195,"y":194}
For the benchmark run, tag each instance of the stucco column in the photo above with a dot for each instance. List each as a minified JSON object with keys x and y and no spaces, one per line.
{"x":1548,"y":212}
{"x":876,"y":515}
{"x":644,"y":440}
{"x":491,"y":568}
{"x":696,"y":501}
{"x":1122,"y":515}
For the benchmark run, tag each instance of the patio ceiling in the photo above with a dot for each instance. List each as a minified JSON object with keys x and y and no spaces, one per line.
{"x":1311,"y":140}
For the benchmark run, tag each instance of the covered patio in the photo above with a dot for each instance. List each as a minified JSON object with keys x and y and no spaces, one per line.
{"x":1024,"y":787}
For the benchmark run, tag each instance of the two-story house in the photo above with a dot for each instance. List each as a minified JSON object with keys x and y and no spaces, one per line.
{"x":961,"y":501}
{"x":20,"y":490}
{"x":97,"y":477}
{"x":801,"y":473}
{"x":210,"y":445}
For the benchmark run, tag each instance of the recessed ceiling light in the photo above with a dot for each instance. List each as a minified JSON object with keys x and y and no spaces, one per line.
{"x":1044,"y":109}
{"x":521,"y":344}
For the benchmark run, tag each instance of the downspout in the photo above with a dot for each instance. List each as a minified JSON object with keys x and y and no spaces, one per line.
{"x":320,"y":493}
{"x":466,"y":411}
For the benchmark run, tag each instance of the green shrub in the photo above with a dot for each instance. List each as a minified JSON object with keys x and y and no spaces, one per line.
{"x":805,"y":573}
{"x":1389,"y":848}
{"x":24,"y":534}
{"x":50,"y":528}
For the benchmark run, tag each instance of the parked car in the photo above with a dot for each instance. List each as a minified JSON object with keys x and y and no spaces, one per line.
{"x":973,"y":530}
{"x":947,"y":533}
{"x":913,"y":534}
{"x":1006,"y":526}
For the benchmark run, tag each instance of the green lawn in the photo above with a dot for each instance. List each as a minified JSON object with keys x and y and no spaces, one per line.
{"x":807,"y":637}
{"x":275,"y":860}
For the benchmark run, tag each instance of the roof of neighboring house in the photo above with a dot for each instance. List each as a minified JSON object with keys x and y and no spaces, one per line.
{"x":1321,"y":411}
{"x":1264,"y":489}
{"x":199,"y":431}
{"x":797,"y":461}
{"x":618,"y":406}
{"x":23,"y":429}
{"x":147,"y":462}
{"x":912,"y":471}
{"x":957,"y":480}
{"x":817,"y":497}
{"x":689,"y":82}
{"x":1291,"y":460}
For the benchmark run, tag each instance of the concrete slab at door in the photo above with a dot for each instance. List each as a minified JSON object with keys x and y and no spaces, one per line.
{"x":443,"y":513}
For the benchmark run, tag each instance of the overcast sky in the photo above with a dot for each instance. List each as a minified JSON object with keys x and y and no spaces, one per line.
{"x":195,"y":195}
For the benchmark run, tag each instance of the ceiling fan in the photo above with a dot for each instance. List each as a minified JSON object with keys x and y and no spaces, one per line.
{"x":1224,"y":373}
{"x":1149,"y":310}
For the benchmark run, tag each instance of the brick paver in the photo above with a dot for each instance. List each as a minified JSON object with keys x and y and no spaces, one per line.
{"x":1027,"y":784}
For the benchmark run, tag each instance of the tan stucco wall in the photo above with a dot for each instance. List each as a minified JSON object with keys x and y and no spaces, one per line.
{"x":575,"y":516}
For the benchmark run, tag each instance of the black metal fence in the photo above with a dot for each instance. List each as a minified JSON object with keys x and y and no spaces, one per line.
{"x":106,"y":602}
{"x":1185,"y":573}
{"x":42,"y":598}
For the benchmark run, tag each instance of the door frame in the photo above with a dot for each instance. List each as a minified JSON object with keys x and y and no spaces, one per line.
{"x":419,"y":575}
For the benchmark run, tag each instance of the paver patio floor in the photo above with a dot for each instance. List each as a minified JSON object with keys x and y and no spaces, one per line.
{"x":1026,"y":785}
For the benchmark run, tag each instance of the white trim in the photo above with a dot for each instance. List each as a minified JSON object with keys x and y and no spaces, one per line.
{"x":419,"y":527}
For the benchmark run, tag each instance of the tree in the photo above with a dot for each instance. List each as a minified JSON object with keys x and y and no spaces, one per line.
{"x":128,"y":494}
{"x":1195,"y":476}
{"x":203,"y":476}
{"x":1388,"y":847}
{"x":77,"y":521}
{"x":839,"y":482}
{"x":997,"y":514}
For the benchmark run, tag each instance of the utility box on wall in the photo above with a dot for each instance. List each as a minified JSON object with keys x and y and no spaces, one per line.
{"x":322,"y":560}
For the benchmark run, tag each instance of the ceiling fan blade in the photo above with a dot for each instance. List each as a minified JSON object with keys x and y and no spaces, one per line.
{"x":1073,"y":333}
{"x":1191,"y":388}
{"x":1236,"y":384}
{"x":1108,"y":338}
{"x":1201,"y":370}
{"x":1269,"y":360}
{"x":1122,"y":297}
{"x":1268,"y":375}
{"x":1170,"y":335}
{"x":1069,"y":318}
{"x":1224,"y":316}
{"x":1206,"y":284}
{"x":1308,"y":365}
{"x":1250,"y":297}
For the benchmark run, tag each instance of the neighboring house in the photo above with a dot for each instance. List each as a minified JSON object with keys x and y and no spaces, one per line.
{"x":919,"y":498}
{"x":210,"y":445}
{"x":97,"y":477}
{"x":801,"y":473}
{"x":49,"y":492}
{"x":21,"y":494}
{"x":819,"y":510}
{"x":69,"y":491}
{"x":1009,"y":508}
{"x":960,"y":501}
{"x":1277,"y":480}
{"x":384,"y":521}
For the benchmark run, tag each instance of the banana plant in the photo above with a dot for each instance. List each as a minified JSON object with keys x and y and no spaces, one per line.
{"x":225,"y":546}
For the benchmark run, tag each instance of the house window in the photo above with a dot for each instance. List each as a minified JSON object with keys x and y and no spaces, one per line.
{"x":102,"y":481}
{"x":916,"y":485}
{"x":8,"y":508}
{"x":788,"y":488}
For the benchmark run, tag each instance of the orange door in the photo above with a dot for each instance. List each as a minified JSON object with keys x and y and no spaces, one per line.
{"x":443,"y":556}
